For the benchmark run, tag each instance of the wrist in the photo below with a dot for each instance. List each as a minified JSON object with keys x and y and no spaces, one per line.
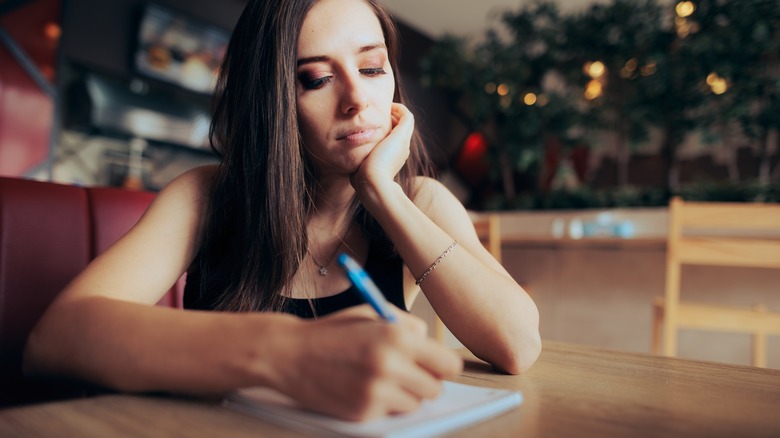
{"x":273,"y":348}
{"x":377,"y":195}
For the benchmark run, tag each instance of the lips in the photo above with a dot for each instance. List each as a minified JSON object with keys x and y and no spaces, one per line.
{"x":358,"y":135}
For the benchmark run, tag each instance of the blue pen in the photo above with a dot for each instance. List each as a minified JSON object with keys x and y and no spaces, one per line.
{"x":367,"y":288}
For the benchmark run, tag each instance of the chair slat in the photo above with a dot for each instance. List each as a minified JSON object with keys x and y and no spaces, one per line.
{"x":731,"y":216}
{"x":721,"y":251}
{"x":731,"y":319}
{"x":717,"y":234}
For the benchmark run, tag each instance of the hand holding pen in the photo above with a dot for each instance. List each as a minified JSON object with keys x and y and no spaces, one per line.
{"x":365,"y":368}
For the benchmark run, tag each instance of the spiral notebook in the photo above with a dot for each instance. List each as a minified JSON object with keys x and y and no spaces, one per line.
{"x":457,"y":406}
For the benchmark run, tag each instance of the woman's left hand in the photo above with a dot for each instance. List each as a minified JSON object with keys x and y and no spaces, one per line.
{"x":389,"y":156}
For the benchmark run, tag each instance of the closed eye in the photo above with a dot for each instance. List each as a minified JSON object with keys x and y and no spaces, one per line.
{"x":314,"y":84}
{"x":373,"y":71}
{"x":317,"y":83}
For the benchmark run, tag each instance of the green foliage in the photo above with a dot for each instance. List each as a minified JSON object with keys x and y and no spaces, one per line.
{"x":729,"y":192}
{"x":629,"y":196}
{"x":740,"y":41}
{"x":584,"y":198}
{"x":656,"y":69}
{"x":489,"y":84}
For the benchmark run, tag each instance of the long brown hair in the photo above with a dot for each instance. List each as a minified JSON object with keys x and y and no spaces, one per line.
{"x":255,"y":237}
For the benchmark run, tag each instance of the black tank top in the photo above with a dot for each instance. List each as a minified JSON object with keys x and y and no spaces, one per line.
{"x":385,"y":269}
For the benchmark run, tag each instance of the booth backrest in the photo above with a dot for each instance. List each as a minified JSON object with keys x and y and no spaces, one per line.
{"x":48,"y":233}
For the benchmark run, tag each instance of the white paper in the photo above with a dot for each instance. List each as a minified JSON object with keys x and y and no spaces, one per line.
{"x":457,"y":406}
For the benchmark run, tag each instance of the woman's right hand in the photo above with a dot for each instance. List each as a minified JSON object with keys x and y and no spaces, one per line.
{"x":389,"y":155}
{"x":353,"y":365}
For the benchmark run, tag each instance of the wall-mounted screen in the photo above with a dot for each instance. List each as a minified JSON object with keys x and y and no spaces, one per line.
{"x":179,"y":49}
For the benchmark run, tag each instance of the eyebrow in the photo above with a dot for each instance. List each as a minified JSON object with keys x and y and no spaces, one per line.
{"x":363,"y":49}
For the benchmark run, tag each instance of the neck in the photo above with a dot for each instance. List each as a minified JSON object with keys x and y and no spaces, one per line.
{"x":332,"y":198}
{"x":330,"y":223}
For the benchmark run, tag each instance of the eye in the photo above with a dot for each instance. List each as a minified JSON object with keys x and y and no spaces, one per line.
{"x":314,"y":83}
{"x":378,"y":71}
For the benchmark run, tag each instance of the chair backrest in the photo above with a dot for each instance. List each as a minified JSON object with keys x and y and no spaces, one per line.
{"x":113,"y":212}
{"x":719,"y":234}
{"x":42,"y":247}
{"x":488,"y":227}
{"x":48,"y":234}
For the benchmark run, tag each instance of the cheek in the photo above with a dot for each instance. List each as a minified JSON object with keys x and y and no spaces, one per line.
{"x":385,"y":101}
{"x":307,"y":123}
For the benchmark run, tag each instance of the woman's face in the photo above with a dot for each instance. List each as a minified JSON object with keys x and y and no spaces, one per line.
{"x":345,"y":84}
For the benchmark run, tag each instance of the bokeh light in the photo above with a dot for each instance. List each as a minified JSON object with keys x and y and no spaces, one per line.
{"x":595,"y":69}
{"x":685,"y":9}
{"x":593,"y":89}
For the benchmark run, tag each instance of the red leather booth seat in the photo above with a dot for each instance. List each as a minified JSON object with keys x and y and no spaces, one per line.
{"x":48,"y":234}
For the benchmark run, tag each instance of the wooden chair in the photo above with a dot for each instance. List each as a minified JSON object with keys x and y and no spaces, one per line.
{"x":717,"y":234}
{"x":488,"y":227}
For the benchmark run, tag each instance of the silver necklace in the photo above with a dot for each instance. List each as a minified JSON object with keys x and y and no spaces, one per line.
{"x":323,"y":268}
{"x":323,"y":271}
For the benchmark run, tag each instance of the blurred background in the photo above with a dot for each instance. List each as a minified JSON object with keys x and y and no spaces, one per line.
{"x":569,"y":119}
{"x":525,"y":104}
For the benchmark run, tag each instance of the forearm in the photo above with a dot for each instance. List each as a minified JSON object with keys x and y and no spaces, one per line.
{"x":484,"y":308}
{"x":133,"y":347}
{"x":349,"y":364}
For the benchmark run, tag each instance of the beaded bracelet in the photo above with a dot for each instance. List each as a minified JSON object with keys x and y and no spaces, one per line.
{"x":433,"y":265}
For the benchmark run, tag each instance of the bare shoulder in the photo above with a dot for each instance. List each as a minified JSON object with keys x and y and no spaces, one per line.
{"x":173,"y":224}
{"x":193,"y":185}
{"x":184,"y":201}
{"x":147,"y":261}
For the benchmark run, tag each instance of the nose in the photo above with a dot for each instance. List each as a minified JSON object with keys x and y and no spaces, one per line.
{"x":354,"y":98}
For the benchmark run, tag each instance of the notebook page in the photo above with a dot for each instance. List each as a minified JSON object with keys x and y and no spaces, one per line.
{"x":457,"y":406}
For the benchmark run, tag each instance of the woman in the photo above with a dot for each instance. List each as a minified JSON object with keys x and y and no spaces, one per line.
{"x":319,"y":157}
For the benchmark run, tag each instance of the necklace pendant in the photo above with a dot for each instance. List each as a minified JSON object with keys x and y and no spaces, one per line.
{"x":323,"y":271}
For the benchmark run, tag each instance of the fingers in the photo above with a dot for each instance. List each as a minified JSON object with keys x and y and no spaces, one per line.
{"x":417,"y":369}
{"x":365,"y":311}
{"x":361,"y":312}
{"x":367,"y":368}
{"x":436,"y":359}
{"x":440,"y":361}
{"x":417,"y":362}
{"x":403,"y":121}
{"x":394,"y":382}
{"x":399,"y":112}
{"x":402,"y":387}
{"x":415,"y":324}
{"x":390,"y":154}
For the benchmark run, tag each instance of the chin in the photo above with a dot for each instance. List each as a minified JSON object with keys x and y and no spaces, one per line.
{"x":357,"y":155}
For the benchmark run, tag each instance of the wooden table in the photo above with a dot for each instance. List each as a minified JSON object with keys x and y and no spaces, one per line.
{"x":572,"y":391}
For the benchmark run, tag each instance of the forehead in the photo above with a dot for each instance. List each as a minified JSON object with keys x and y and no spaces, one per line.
{"x":333,"y":25}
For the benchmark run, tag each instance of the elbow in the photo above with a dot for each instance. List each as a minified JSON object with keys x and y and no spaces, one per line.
{"x":524,"y":349}
{"x":521,"y":350}
{"x":42,"y":347}
{"x":32,"y":360}
{"x":520,"y":358}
